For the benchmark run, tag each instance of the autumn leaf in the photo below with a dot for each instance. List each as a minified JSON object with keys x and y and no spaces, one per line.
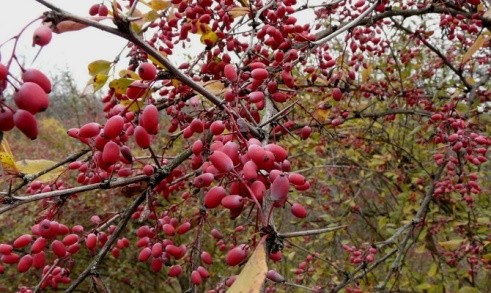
{"x":99,"y":67}
{"x":132,"y":105}
{"x":478,"y":44}
{"x":7,"y":158}
{"x":238,"y":11}
{"x":33,"y":167}
{"x":451,"y":244}
{"x":120,"y":85}
{"x":158,"y":4}
{"x":252,"y":277}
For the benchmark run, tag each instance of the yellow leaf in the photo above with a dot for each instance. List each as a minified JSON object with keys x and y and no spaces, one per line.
{"x":7,"y":158}
{"x":451,"y":244}
{"x":433,"y":270}
{"x":120,"y":85}
{"x":244,"y":3}
{"x":252,"y":277}
{"x":99,"y":67}
{"x":210,"y":38}
{"x":133,"y":105}
{"x":158,"y":4}
{"x":215,"y":87}
{"x":478,"y":44}
{"x":238,"y":11}
{"x":151,"y":16}
{"x":126,"y":73}
{"x":33,"y":167}
{"x":99,"y":81}
{"x":157,"y":63}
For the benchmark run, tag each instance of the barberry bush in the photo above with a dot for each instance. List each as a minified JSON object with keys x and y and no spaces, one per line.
{"x":303,"y":145}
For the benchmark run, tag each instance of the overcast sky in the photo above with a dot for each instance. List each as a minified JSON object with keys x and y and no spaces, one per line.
{"x":74,"y":50}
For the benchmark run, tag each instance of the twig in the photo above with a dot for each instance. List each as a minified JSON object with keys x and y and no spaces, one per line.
{"x":310,"y":232}
{"x":102,"y":253}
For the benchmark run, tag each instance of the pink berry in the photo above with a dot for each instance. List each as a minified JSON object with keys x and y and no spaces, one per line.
{"x":147,"y":71}
{"x":42,"y":36}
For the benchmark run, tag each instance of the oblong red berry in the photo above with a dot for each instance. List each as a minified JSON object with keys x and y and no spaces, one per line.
{"x":58,"y":248}
{"x":6,"y":119}
{"x":258,"y":189}
{"x":91,"y":241}
{"x":10,"y":258}
{"x":236,"y":255}
{"x":89,"y":130}
{"x":144,"y":254}
{"x":249,"y":171}
{"x":113,"y":127}
{"x":233,"y":202}
{"x":70,"y":239}
{"x":110,"y":153}
{"x":39,"y":260}
{"x":150,"y":119}
{"x":3,"y":72}
{"x":203,"y":180}
{"x":196,"y":126}
{"x":299,"y":210}
{"x":214,"y":197}
{"x":6,"y":248}
{"x":280,"y":154}
{"x":31,"y":97}
{"x":196,"y":278}
{"x":217,"y":127}
{"x":24,"y":264}
{"x":279,"y":188}
{"x":42,"y":36}
{"x":142,"y":137}
{"x":259,"y":74}
{"x":38,"y":245}
{"x":22,"y":241}
{"x":221,"y":161}
{"x":26,"y":123}
{"x":147,"y":71}
{"x":206,"y":258}
{"x":174,"y":271}
{"x":337,"y":95}
{"x":296,"y":179}
{"x":230,"y":72}
{"x":183,"y":228}
{"x":36,"y":76}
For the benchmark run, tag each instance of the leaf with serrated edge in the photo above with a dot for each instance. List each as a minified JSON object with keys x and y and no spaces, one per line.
{"x":252,"y":276}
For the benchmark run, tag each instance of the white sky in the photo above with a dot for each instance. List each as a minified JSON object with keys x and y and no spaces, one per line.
{"x":73,"y":50}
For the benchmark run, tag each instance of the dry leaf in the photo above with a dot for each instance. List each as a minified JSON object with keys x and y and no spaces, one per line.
{"x":478,"y":44}
{"x":252,"y":277}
